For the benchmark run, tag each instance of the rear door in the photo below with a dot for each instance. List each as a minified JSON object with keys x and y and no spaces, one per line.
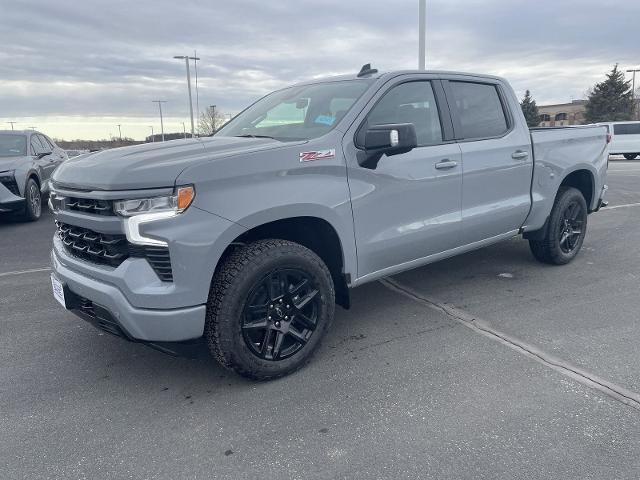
{"x":497,"y":161}
{"x":408,"y":206}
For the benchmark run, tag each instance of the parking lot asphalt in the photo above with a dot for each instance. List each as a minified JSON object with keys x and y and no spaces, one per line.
{"x":399,"y":389}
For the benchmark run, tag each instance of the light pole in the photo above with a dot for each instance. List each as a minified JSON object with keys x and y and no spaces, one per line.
{"x":153,"y":139}
{"x":633,"y":90}
{"x":422,"y":37}
{"x":120,"y":132}
{"x":184,"y":130}
{"x":12,"y":124}
{"x":160,"y":102}
{"x":186,"y":63}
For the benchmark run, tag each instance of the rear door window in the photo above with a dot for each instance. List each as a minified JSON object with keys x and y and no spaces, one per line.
{"x":479,"y":109}
{"x":626,"y":129}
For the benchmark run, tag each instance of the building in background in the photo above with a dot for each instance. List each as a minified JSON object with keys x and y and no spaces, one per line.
{"x":563,"y":114}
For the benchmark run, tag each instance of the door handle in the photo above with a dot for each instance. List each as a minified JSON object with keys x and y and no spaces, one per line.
{"x":446,"y":164}
{"x":519,"y":155}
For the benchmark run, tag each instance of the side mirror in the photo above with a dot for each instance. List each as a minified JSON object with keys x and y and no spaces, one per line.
{"x":42,"y":154}
{"x":389,"y":139}
{"x":392,"y":139}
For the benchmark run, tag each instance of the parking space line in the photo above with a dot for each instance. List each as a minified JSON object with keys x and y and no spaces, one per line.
{"x":21,"y":272}
{"x":588,"y":379}
{"x":613,"y":207}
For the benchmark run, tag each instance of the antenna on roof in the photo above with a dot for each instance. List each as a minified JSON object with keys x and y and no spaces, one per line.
{"x":367,"y":70}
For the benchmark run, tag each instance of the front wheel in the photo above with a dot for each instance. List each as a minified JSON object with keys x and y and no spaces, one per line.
{"x":630,"y":156}
{"x":566,"y":230}
{"x":33,"y":198}
{"x":270,"y":304}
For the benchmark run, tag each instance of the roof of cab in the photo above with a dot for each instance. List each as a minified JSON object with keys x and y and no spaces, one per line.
{"x":395,"y":73}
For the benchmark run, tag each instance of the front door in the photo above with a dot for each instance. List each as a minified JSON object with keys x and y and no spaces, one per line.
{"x":409,"y":206}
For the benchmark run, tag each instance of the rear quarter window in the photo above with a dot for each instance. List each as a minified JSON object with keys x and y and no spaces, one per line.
{"x":479,"y":109}
{"x":627,"y":129}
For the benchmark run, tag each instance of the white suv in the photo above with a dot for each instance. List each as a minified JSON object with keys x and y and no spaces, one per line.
{"x":625,"y":138}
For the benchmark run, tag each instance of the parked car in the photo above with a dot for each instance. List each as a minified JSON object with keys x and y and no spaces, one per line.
{"x":27,"y":160}
{"x":247,"y":239}
{"x":625,"y":138}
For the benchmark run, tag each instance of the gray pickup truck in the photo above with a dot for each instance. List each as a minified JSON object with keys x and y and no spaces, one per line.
{"x":246,"y":240}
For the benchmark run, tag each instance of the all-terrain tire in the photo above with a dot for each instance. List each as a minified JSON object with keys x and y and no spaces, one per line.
{"x":248,"y":274}
{"x":566,"y":229}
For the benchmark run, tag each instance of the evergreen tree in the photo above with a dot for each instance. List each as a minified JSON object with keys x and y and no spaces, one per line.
{"x":610,"y":100}
{"x":530,"y":110}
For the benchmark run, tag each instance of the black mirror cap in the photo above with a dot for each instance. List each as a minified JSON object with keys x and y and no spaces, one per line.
{"x":389,"y":139}
{"x":392,"y":138}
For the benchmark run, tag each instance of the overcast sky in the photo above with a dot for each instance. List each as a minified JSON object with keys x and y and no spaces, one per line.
{"x":77,"y":68}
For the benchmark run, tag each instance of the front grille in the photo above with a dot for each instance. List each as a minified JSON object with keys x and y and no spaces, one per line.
{"x":11,"y":185}
{"x":92,"y":246}
{"x":89,"y":205}
{"x":112,"y":250}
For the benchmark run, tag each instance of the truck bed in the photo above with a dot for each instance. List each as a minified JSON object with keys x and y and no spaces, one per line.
{"x":558,"y":151}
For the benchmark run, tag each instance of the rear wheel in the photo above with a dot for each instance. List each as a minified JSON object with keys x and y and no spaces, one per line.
{"x":566,"y":230}
{"x":33,"y":197}
{"x":270,"y":304}
{"x":630,"y":156}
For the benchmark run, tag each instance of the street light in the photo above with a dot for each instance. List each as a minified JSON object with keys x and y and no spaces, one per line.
{"x":422,"y":37}
{"x":120,"y":132}
{"x":186,"y":62}
{"x":153,"y":139}
{"x":184,"y":130}
{"x":160,"y":102}
{"x":12,"y":124}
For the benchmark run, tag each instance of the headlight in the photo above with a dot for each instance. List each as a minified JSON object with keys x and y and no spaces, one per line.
{"x":55,"y":200}
{"x":176,"y":203}
{"x":145,"y":210}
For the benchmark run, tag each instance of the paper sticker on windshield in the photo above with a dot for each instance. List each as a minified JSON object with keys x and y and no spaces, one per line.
{"x":325,"y":119}
{"x":317,"y":155}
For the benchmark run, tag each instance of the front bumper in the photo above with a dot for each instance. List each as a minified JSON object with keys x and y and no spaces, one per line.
{"x":10,"y":202}
{"x":139,"y":324}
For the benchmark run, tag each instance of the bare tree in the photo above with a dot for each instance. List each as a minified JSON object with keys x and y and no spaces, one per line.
{"x":210,"y":121}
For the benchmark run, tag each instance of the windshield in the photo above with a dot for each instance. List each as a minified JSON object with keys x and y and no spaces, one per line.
{"x":297,"y":113}
{"x":12,"y":145}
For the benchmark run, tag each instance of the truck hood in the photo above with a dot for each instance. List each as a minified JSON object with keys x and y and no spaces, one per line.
{"x":11,"y":163}
{"x":151,"y":165}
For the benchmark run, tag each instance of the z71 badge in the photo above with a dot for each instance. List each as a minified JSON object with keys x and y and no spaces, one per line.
{"x":318,"y":155}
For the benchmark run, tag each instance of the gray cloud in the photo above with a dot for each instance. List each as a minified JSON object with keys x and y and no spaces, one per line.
{"x":96,"y":58}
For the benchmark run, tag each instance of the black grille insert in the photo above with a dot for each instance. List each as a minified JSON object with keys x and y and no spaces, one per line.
{"x":112,"y":250}
{"x":89,"y":205}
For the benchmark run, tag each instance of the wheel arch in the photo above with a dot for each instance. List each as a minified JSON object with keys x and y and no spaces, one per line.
{"x":314,"y":232}
{"x":583,"y":180}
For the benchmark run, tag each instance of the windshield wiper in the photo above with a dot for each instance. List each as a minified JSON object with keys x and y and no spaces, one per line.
{"x":247,"y":135}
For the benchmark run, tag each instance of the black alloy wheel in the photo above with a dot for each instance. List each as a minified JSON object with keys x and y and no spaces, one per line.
{"x":281,"y":314}
{"x":573,"y":220}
